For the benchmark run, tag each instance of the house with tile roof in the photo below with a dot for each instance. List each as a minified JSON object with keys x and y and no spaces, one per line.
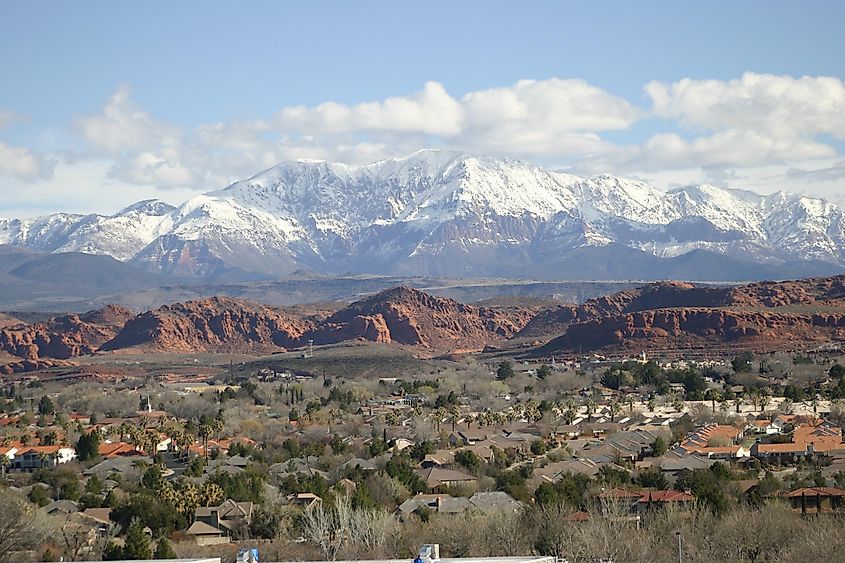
{"x":817,"y":499}
{"x":714,"y":441}
{"x":437,"y":478}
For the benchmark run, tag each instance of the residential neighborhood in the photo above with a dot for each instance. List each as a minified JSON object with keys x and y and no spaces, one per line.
{"x":597,"y":456}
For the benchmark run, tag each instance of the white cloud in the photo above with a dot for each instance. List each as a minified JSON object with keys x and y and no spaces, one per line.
{"x":734,"y":130}
{"x":22,"y":163}
{"x":83,"y":186}
{"x":760,"y":131}
{"x":432,"y":111}
{"x":777,"y":106}
{"x":556,"y":117}
{"x":122,"y":126}
{"x":530,"y":117}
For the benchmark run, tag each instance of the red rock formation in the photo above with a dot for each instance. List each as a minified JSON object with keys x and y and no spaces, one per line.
{"x":669,"y":327}
{"x":815,"y":292}
{"x":408,"y":316}
{"x":31,"y":365}
{"x":65,"y":336}
{"x":214,"y":324}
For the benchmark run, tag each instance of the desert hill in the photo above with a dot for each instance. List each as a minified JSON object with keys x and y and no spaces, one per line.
{"x":61,"y":337}
{"x":665,"y":315}
{"x":677,"y":315}
{"x":409,"y":316}
{"x":210,"y":325}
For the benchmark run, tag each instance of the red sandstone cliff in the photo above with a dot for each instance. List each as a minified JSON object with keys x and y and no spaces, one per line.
{"x":214,"y":324}
{"x":409,"y":316}
{"x":65,"y":336}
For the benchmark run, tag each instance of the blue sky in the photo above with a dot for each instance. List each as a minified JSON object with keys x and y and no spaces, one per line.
{"x":103,"y":103}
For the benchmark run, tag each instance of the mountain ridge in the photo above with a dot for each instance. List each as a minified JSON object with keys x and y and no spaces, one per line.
{"x":446,"y":214}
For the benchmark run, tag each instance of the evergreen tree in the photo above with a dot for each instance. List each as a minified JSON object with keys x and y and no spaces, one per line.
{"x":46,"y":406}
{"x":137,"y":544}
{"x":505,"y":371}
{"x":88,"y":446}
{"x":543,"y":371}
{"x":164,"y":550}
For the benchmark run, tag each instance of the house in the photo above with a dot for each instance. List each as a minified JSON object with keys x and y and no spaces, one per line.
{"x":115,"y":466}
{"x":115,"y":449}
{"x":495,"y":501}
{"x":206,"y":534}
{"x":61,"y":507}
{"x":99,"y":517}
{"x":638,"y":502}
{"x":305,"y":500}
{"x":438,"y":503}
{"x":655,"y":499}
{"x":714,"y":441}
{"x":764,"y":426}
{"x":363,"y":464}
{"x":440,"y":458}
{"x":672,"y":463}
{"x":38,"y":457}
{"x":817,"y":438}
{"x":7,"y":457}
{"x":617,"y":499}
{"x":553,"y":472}
{"x":438,"y":478}
{"x":229,"y":516}
{"x":402,"y":443}
{"x":304,"y":465}
{"x":817,"y":499}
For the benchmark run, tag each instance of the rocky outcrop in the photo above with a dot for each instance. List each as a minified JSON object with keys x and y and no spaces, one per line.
{"x":65,"y":336}
{"x":796,"y":292}
{"x":409,"y":316}
{"x":31,"y":365}
{"x":214,"y":324}
{"x":616,"y":311}
{"x":680,"y":327}
{"x":549,"y":322}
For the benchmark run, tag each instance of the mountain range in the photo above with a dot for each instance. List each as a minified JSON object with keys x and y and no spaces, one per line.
{"x":438,"y":213}
{"x":663,"y":316}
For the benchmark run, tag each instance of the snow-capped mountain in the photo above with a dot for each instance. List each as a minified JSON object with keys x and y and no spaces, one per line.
{"x":443,"y":213}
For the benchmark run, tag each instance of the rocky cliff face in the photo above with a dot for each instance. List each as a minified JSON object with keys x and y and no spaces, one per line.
{"x":678,"y":315}
{"x":65,"y":336}
{"x":408,"y":316}
{"x":214,"y":324}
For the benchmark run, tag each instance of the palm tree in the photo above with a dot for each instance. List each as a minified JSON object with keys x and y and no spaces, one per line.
{"x":454,"y":416}
{"x":713,"y":395}
{"x":204,"y":433}
{"x":571,"y":410}
{"x":765,"y":397}
{"x":590,"y":403}
{"x":613,"y":406}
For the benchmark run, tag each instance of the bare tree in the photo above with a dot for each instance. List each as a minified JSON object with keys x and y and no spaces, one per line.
{"x":21,"y":527}
{"x":334,"y":528}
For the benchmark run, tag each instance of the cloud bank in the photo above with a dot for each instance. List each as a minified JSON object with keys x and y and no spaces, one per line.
{"x":759,"y":130}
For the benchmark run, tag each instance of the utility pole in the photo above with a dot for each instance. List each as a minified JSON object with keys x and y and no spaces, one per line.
{"x":680,"y":553}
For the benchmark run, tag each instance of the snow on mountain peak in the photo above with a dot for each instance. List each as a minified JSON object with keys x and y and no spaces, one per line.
{"x":442,"y":212}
